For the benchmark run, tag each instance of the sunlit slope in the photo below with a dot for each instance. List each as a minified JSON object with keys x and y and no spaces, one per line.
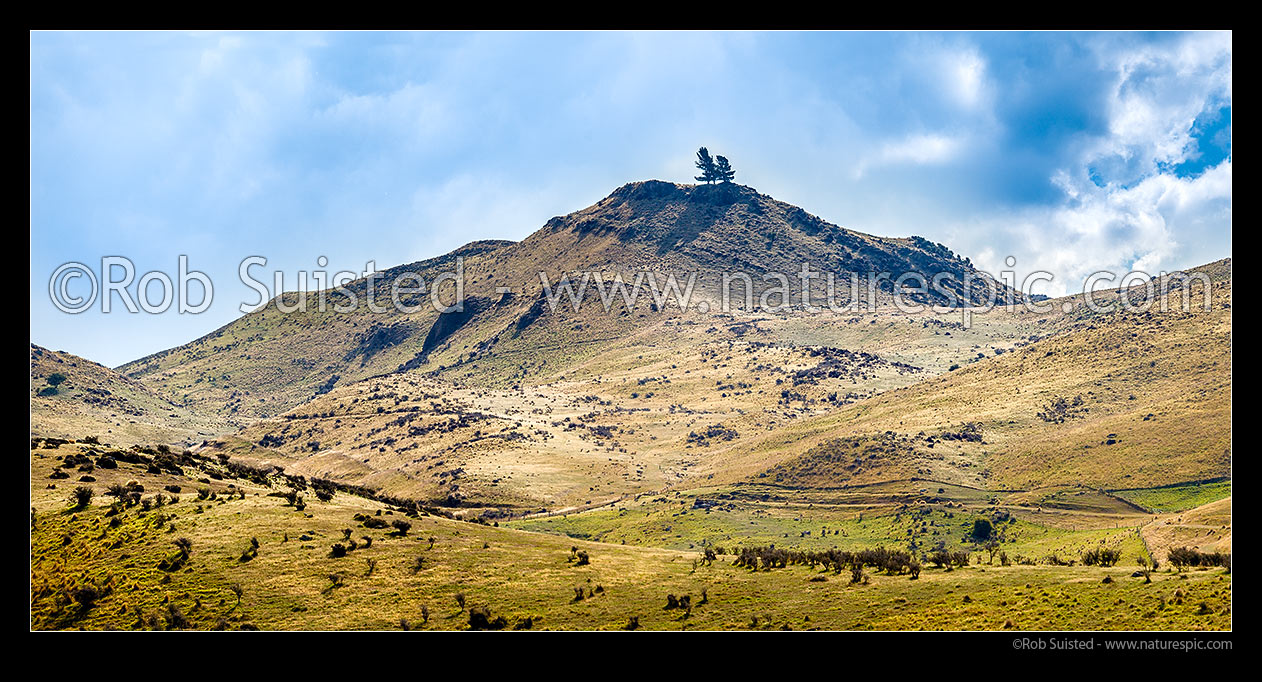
{"x":268,"y":362}
{"x":1120,"y":400}
{"x":579,"y":424}
{"x":249,"y":559}
{"x":73,"y":398}
{"x":1206,"y":528}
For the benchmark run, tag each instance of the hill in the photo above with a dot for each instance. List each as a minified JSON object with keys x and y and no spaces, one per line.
{"x":570,"y":468}
{"x":172,"y":553}
{"x":72,"y":398}
{"x":268,"y":362}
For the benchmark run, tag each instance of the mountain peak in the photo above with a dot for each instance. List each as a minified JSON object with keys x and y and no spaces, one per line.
{"x":650,"y":190}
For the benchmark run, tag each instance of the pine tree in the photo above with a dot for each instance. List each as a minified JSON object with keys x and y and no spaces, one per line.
{"x":723,"y":170}
{"x":709,"y":172}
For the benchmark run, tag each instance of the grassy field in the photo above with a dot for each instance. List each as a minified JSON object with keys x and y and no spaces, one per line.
{"x":291,"y":581}
{"x":577,"y":469}
{"x":1177,"y":498}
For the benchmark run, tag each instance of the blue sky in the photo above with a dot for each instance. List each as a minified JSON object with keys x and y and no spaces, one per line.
{"x":1070,"y":152}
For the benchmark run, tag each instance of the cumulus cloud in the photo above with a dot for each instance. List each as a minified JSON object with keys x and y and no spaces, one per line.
{"x":1071,"y":152}
{"x":1124,"y":204}
{"x":1151,"y":227}
{"x":1157,"y":95}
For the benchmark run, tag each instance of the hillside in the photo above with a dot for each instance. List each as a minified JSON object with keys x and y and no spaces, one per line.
{"x":267,"y":362}
{"x":1114,"y":400}
{"x":93,"y":400}
{"x":236,"y":554}
{"x":664,"y":446}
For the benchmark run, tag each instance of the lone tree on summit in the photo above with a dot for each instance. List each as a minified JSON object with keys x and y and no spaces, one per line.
{"x":723,"y":171}
{"x":713,"y":169}
{"x":709,"y":171}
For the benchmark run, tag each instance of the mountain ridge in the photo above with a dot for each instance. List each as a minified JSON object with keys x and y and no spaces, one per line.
{"x":644,"y":226}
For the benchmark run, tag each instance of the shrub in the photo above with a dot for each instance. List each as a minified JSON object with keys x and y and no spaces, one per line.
{"x":940,"y":558}
{"x":1181,"y":557}
{"x":480,"y":619}
{"x":85,"y":596}
{"x":82,"y":496}
{"x":175,"y":618}
{"x":1101,"y":556}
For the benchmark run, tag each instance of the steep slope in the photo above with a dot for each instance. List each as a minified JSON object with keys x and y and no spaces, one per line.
{"x":73,"y":398}
{"x":268,"y":362}
{"x":1119,"y":400}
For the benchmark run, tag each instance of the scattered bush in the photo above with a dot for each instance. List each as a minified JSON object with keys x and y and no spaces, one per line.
{"x":1101,"y":556}
{"x":1184,"y":557}
{"x":82,"y":496}
{"x":480,"y":619}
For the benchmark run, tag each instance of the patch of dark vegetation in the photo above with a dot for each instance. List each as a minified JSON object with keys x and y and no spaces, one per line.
{"x":379,"y":337}
{"x":839,"y":363}
{"x":969,"y":431}
{"x":1101,"y":556}
{"x":712,"y":433}
{"x":1060,"y":409}
{"x":1186,"y":557}
{"x":943,"y":558}
{"x":892,"y":561}
{"x":327,"y":385}
{"x":579,"y":557}
{"x":480,"y":619}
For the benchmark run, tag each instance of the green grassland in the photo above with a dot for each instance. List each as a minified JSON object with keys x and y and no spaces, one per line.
{"x":1177,"y":498}
{"x":676,"y":523}
{"x":289,"y":581}
{"x":639,"y":441}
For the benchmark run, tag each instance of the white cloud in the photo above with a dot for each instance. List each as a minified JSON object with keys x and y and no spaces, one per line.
{"x":919,"y":150}
{"x":1122,"y":206}
{"x":1158,"y":94}
{"x":965,"y":73}
{"x":1156,"y":225}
